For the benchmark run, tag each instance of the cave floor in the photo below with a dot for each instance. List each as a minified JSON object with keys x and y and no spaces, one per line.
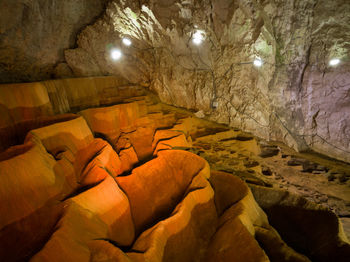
{"x":315,"y":177}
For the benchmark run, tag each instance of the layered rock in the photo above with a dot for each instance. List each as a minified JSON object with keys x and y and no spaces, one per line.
{"x":32,"y":105}
{"x":116,"y":183}
{"x":96,"y":207}
{"x":30,"y":202}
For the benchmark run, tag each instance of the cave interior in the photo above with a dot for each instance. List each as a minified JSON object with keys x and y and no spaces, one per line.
{"x":175,"y":130}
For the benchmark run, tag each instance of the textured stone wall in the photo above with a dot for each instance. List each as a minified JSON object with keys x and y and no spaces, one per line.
{"x":34,"y":34}
{"x":295,"y":97}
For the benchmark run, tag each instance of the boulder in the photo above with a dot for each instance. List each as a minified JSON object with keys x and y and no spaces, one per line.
{"x":269,"y":151}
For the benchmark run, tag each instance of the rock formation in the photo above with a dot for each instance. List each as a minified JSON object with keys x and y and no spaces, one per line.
{"x":126,"y":182}
{"x":34,"y":35}
{"x":296,"y":97}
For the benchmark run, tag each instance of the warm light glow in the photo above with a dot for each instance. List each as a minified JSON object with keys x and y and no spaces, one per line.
{"x":127,"y":41}
{"x":334,"y":62}
{"x":116,"y":54}
{"x":198,"y":37}
{"x":258,"y":62}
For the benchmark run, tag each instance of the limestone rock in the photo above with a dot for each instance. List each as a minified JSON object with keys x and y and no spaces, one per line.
{"x":18,"y":104}
{"x":108,"y":122}
{"x":291,"y":98}
{"x":200,"y":114}
{"x":150,"y":201}
{"x":30,"y":192}
{"x":269,"y":151}
{"x":113,"y":184}
{"x":228,"y":189}
{"x":295,"y":97}
{"x":33,"y":35}
{"x":238,"y":221}
{"x":70,"y":136}
{"x":225,"y":246}
{"x":89,"y":162}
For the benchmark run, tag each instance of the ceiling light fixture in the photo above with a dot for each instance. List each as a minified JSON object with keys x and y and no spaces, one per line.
{"x":116,"y":54}
{"x":127,"y":41}
{"x":258,"y":62}
{"x":334,"y":61}
{"x":198,"y":37}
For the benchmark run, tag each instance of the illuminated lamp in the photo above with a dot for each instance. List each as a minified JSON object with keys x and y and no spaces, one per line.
{"x":198,"y":37}
{"x":116,"y":54}
{"x":127,"y":41}
{"x":258,"y":62}
{"x":334,"y":62}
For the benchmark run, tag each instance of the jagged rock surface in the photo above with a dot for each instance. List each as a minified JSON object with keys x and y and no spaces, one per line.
{"x":295,"y":97}
{"x":35,"y":33}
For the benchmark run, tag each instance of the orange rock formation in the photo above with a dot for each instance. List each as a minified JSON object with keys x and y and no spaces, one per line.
{"x":112,"y":184}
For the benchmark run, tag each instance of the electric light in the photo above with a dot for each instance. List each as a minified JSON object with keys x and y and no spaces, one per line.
{"x":258,"y":62}
{"x":334,"y":61}
{"x":127,"y":41}
{"x":116,"y":54}
{"x":198,"y":37}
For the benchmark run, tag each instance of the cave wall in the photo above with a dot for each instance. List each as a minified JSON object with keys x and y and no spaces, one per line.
{"x":295,"y":97}
{"x":35,"y":33}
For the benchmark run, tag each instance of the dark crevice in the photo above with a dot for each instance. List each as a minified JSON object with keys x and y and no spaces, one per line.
{"x":209,"y":131}
{"x":124,"y":148}
{"x":166,"y":214}
{"x":228,"y":139}
{"x":344,"y":216}
{"x":162,"y":216}
{"x":96,"y":154}
{"x":164,"y":149}
{"x":138,"y":164}
{"x":81,"y":190}
{"x":244,"y":138}
{"x":167,"y":138}
{"x":103,"y":137}
{"x":165,"y":128}
{"x":124,"y":249}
